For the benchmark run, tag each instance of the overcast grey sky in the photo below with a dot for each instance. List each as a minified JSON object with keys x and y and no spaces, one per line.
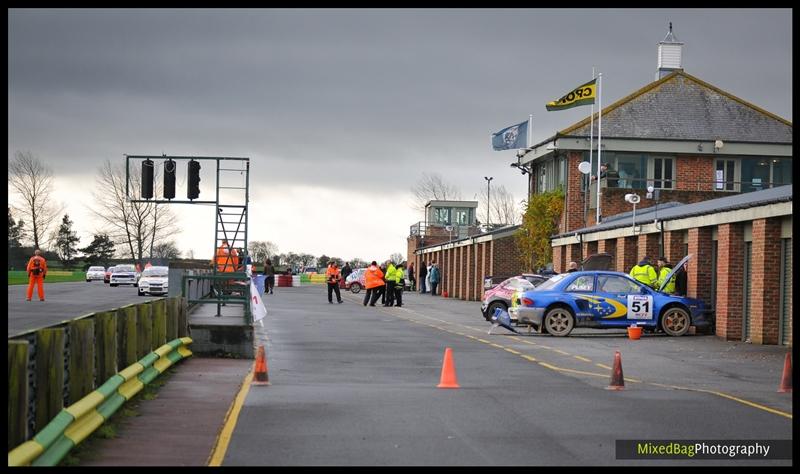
{"x":341,"y":111}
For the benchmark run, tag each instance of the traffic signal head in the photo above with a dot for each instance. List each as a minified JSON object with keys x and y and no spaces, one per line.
{"x":147,"y":179}
{"x":169,"y":179}
{"x":194,"y":180}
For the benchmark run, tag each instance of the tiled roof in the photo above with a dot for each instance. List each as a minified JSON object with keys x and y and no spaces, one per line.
{"x":682,"y":107}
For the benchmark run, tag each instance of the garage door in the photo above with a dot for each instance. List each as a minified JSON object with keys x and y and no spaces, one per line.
{"x":748,"y":250}
{"x":786,"y":291}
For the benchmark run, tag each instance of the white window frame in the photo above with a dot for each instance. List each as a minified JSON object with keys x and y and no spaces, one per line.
{"x":651,"y":171}
{"x":737,"y":174}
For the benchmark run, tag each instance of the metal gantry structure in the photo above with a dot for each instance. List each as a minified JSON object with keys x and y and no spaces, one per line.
{"x":231,"y":223}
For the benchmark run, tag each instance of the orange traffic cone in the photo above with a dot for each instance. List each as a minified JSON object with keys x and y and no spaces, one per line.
{"x":260,"y":375}
{"x":448,"y":379}
{"x":786,"y":380}
{"x":617,"y":380}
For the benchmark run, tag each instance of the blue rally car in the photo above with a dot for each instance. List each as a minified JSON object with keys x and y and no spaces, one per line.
{"x":606,"y":299}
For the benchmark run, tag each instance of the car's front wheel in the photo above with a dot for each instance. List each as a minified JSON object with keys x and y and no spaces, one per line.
{"x":492,"y":307}
{"x":355,"y":287}
{"x":676,"y":321}
{"x":559,"y":321}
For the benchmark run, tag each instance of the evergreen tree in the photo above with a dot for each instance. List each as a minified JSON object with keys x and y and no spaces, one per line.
{"x":66,"y":240}
{"x":15,"y":232}
{"x":100,"y":251}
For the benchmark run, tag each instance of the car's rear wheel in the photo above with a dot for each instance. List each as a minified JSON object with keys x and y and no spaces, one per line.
{"x":559,"y":321}
{"x":492,"y":307}
{"x":676,"y":321}
{"x":355,"y":287}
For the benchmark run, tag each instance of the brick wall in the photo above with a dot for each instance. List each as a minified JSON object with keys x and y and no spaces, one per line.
{"x":673,"y":246}
{"x":626,"y":254}
{"x":506,"y":257}
{"x":613,"y":199}
{"x":573,"y":254}
{"x":608,"y":246}
{"x":694,"y":173}
{"x":559,"y":252}
{"x":589,"y":248}
{"x":572,"y":217}
{"x":648,"y":246}
{"x":698,"y":279}
{"x":765,"y":281}
{"x":730,"y":268}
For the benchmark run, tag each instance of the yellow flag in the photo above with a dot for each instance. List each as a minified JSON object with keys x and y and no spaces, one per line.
{"x":581,"y":95}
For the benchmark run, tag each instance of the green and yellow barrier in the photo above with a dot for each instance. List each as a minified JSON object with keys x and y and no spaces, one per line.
{"x":76,"y":422}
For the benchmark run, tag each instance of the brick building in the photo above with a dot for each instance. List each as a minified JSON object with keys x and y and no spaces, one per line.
{"x":741,"y":249}
{"x":694,"y":145}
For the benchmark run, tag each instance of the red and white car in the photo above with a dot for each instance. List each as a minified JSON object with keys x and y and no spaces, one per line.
{"x":499,"y":296}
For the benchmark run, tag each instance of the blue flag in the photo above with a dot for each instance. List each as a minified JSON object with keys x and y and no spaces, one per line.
{"x":515,"y":136}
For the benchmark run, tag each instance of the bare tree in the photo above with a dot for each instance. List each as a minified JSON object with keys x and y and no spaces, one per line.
{"x":397,"y":257}
{"x":433,"y":187}
{"x":134,"y":226}
{"x":503,"y":207}
{"x":33,"y":181}
{"x":260,"y":250}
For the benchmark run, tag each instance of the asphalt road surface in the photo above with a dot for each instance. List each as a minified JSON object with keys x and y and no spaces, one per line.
{"x":354,"y":385}
{"x":64,"y":301}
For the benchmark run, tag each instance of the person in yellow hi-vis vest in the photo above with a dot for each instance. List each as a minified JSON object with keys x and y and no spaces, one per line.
{"x":663,"y":270}
{"x":645,"y":273}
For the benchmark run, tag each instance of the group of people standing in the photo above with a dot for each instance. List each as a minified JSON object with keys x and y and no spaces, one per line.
{"x":429,"y":276}
{"x":644,"y":272}
{"x":386,"y":284}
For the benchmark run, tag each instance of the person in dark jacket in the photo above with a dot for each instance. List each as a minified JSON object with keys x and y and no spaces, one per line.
{"x":269,"y":276}
{"x":573,"y":267}
{"x":346,"y":270}
{"x":423,"y":273}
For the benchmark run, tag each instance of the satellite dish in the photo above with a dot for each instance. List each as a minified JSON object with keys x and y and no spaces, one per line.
{"x":585,"y":167}
{"x":448,"y":228}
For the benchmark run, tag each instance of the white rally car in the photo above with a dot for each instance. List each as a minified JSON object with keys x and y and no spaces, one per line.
{"x":154,"y":281}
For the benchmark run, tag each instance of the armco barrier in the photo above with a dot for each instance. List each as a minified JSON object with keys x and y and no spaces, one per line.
{"x":76,"y":422}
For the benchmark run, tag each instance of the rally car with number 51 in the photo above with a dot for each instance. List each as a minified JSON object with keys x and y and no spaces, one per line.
{"x":606,"y":299}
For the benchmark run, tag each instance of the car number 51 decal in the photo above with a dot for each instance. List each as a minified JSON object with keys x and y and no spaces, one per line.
{"x":640,"y":307}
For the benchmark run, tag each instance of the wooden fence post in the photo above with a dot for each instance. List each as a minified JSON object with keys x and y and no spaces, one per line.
{"x":105,"y":333}
{"x":159,"y":311}
{"x":172,"y":318}
{"x":127,"y":341}
{"x":49,"y":375}
{"x":144,"y":333}
{"x":17,"y":393}
{"x":81,"y":359}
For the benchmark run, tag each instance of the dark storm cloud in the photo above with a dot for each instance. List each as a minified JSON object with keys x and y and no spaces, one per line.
{"x":375,"y":97}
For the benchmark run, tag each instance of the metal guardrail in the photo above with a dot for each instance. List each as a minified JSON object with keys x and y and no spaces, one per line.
{"x":76,"y":422}
{"x":233,"y":288}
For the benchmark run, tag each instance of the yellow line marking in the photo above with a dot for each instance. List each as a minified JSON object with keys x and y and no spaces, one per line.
{"x":602,"y":366}
{"x":729,"y":397}
{"x":224,"y":438}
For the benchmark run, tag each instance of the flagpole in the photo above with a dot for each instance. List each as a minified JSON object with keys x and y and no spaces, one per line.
{"x":530,"y":130}
{"x":591,"y":151}
{"x":599,"y":138}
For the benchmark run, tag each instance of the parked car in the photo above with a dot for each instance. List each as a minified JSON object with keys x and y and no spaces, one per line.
{"x":310,"y":270}
{"x":499,"y":296}
{"x":606,"y":299}
{"x":355,"y":281}
{"x":124,"y":275}
{"x":492,"y":281}
{"x":154,"y":281}
{"x":96,"y":273}
{"x":107,"y":275}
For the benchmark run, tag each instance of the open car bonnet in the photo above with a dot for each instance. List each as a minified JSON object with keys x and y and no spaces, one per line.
{"x":674,"y":271}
